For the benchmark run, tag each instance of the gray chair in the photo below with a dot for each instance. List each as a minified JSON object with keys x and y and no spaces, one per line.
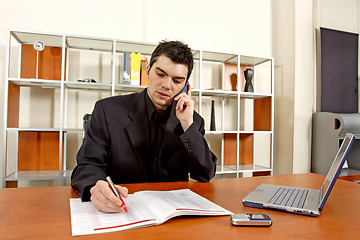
{"x":86,"y":122}
{"x":328,"y":130}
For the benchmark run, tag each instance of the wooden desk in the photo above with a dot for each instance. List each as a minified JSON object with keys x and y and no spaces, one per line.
{"x":44,"y":213}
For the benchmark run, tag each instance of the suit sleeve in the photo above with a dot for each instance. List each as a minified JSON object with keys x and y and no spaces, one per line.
{"x":201,"y":161}
{"x":92,"y":155}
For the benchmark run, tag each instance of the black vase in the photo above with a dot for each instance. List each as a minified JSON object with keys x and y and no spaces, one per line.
{"x":212,"y":122}
{"x":248,"y":73}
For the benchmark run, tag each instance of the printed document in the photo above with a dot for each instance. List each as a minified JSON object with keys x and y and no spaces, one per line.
{"x":145,"y":208}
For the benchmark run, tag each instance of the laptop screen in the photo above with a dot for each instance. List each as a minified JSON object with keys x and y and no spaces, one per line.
{"x":335,"y":168}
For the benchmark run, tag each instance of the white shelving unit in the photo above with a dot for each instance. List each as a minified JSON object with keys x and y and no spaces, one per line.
{"x":40,"y":103}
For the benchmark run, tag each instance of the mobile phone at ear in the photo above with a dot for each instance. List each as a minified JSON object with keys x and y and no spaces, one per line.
{"x":185,"y":88}
{"x":256,"y":219}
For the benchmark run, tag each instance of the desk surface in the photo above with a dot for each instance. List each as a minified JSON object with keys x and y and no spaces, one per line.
{"x":44,"y":213}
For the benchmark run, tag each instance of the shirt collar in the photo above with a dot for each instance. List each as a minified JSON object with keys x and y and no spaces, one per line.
{"x":150,"y":108}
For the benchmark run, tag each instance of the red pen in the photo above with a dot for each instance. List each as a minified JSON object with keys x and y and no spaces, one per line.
{"x":111,"y":184}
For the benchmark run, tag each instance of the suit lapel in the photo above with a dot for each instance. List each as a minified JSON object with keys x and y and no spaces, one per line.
{"x":172,"y":122}
{"x":138,"y":132}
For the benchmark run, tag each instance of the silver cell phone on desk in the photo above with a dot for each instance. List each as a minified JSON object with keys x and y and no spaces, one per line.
{"x":256,"y":219}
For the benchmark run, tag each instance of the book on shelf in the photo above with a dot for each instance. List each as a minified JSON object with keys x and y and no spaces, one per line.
{"x":135,"y":69}
{"x":144,"y":81}
{"x":126,"y":69}
{"x":145,"y":208}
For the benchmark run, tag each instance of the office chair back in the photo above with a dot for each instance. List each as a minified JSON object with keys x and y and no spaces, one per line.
{"x":86,"y":122}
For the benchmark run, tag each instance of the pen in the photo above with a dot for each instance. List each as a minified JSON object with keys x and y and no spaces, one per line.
{"x":111,"y":184}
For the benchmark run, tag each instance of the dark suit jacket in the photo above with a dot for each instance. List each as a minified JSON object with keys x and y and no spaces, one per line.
{"x":117,"y":144}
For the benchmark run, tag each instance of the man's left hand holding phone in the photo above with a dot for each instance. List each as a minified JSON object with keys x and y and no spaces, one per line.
{"x":184,"y":106}
{"x":105,"y":199}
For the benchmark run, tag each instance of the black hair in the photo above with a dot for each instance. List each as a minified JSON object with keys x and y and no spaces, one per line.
{"x":177,"y":51}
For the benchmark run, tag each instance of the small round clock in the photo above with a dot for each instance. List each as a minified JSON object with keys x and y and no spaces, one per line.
{"x":39,"y":46}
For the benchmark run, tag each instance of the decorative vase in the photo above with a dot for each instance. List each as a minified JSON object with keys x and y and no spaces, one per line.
{"x":233,"y":80}
{"x":248,"y":73}
{"x":212,"y":122}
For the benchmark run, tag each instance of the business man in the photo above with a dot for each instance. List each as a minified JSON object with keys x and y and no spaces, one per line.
{"x":152,"y":136}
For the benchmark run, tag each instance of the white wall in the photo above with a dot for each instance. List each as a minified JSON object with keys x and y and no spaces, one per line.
{"x":257,"y":27}
{"x":304,"y":78}
{"x":340,"y":15}
{"x":283,"y":45}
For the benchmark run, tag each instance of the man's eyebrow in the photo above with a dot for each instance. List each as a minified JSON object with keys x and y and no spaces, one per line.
{"x":161,"y":70}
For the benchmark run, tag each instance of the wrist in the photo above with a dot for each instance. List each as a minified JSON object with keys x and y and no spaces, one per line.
{"x":186,"y":124}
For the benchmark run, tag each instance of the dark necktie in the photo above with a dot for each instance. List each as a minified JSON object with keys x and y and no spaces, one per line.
{"x":158,"y":127}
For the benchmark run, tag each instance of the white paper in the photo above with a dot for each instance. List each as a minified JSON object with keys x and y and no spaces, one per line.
{"x":144,"y":209}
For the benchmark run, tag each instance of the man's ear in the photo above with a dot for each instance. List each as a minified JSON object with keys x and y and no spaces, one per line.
{"x":147,"y":71}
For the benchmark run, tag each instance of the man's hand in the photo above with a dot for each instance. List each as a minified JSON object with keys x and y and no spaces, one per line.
{"x":185,"y":109}
{"x":104,"y":199}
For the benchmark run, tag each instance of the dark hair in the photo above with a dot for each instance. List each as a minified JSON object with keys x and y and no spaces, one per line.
{"x":177,"y":51}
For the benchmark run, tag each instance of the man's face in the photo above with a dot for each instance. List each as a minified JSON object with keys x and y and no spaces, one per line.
{"x":166,"y":79}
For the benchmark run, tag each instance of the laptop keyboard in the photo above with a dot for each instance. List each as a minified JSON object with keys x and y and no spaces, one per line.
{"x":290,"y":197}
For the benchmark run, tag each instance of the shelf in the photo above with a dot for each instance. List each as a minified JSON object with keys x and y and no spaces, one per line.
{"x":88,"y":43}
{"x":253,"y":61}
{"x":242,"y":168}
{"x":33,"y":129}
{"x":44,"y":129}
{"x":219,"y":57}
{"x":88,"y":86}
{"x":226,"y":169}
{"x":229,"y":94}
{"x":128,"y":88}
{"x":34,"y":175}
{"x":221,"y":132}
{"x":219,"y":93}
{"x":38,"y":175}
{"x":73,"y":129}
{"x":247,"y":95}
{"x":232,"y":58}
{"x":42,"y":83}
{"x":253,"y":132}
{"x":144,"y":49}
{"x":235,"y":132}
{"x":30,"y":38}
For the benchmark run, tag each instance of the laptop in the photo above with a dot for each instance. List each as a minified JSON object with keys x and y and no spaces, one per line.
{"x":300,"y":200}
